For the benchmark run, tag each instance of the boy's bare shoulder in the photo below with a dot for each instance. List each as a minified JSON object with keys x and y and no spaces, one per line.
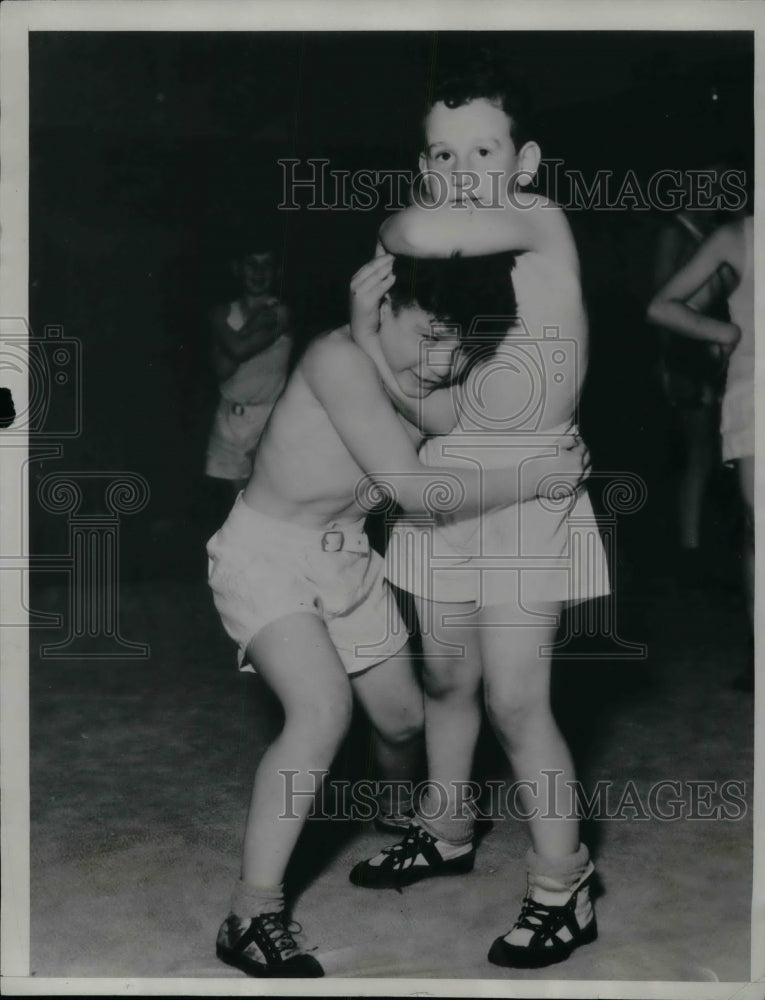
{"x":548,"y":230}
{"x":544,"y":211}
{"x":334,"y":358}
{"x":728,"y":241}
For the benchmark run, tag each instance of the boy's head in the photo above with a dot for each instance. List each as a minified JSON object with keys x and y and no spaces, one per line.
{"x":477,"y":141}
{"x":442,"y":316}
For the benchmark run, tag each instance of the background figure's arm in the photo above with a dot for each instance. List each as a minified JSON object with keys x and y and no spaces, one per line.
{"x":223,"y":364}
{"x":669,"y":256}
{"x":676,"y":305}
{"x":261,"y":329}
{"x":345,"y":382}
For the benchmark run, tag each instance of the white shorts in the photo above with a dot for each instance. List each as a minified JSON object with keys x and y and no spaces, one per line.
{"x":235,"y":433}
{"x":262,"y":569}
{"x":539,"y":552}
{"x":737,"y":420}
{"x":525,"y":556}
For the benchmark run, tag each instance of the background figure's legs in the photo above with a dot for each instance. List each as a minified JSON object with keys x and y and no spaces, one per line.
{"x":745,"y":471}
{"x":699,"y":432}
{"x":391,"y":695}
{"x":517,"y":695}
{"x":296,"y":658}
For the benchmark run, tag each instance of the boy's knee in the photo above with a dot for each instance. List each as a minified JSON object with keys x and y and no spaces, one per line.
{"x":449,"y":680}
{"x":324,"y":722}
{"x":514,"y":715}
{"x":407,"y":730}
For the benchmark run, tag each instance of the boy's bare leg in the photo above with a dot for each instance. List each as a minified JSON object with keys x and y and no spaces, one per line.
{"x":557,"y":914}
{"x":297,"y":659}
{"x":441,"y":840}
{"x":452,"y":702}
{"x":391,"y":695}
{"x":517,"y":695}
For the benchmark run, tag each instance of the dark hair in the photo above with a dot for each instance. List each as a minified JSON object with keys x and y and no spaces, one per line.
{"x":483,"y":77}
{"x":474,"y":294}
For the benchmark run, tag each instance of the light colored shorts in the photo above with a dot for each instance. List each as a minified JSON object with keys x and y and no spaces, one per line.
{"x":235,"y":433}
{"x":540,"y":552}
{"x":737,"y":420}
{"x":262,"y":569}
{"x":522,"y":556}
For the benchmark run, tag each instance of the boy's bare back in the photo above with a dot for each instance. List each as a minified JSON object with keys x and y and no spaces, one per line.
{"x":303,"y":471}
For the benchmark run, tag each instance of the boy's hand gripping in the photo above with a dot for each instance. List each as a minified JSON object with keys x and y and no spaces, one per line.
{"x":566,"y":473}
{"x":368,"y":286}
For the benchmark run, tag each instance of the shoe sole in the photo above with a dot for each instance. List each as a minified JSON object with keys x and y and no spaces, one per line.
{"x":254,"y":970}
{"x":517,"y":959}
{"x":460,"y":866}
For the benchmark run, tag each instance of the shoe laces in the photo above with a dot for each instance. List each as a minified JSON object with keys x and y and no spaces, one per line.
{"x":279,"y":933}
{"x":540,"y":916}
{"x":409,"y":847}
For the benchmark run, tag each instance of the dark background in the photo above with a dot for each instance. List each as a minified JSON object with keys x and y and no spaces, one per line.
{"x":150,"y":151}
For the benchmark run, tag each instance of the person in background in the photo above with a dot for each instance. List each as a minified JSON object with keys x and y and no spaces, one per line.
{"x":693,"y":379}
{"x":731,"y":247}
{"x":252,"y":344}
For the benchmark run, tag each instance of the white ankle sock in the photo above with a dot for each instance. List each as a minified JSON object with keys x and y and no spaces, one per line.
{"x":445,"y":824}
{"x":552,"y":882}
{"x":251,"y":900}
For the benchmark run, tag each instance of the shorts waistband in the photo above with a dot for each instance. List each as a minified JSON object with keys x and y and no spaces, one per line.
{"x":336,"y":538}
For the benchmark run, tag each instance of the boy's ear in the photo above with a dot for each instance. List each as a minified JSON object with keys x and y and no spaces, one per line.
{"x":529,"y":158}
{"x":385,"y":307}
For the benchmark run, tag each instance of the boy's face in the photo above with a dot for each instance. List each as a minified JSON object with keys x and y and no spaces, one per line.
{"x":419,"y":350}
{"x":470,"y":150}
{"x":257,"y":272}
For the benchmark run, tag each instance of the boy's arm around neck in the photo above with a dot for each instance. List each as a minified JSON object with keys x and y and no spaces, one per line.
{"x":525,"y":223}
{"x":345,"y":382}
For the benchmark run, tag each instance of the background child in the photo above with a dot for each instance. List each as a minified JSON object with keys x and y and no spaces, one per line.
{"x":299,"y":589}
{"x":477,"y":159}
{"x":730,"y":247}
{"x":251,"y":350}
{"x":693,"y":380}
